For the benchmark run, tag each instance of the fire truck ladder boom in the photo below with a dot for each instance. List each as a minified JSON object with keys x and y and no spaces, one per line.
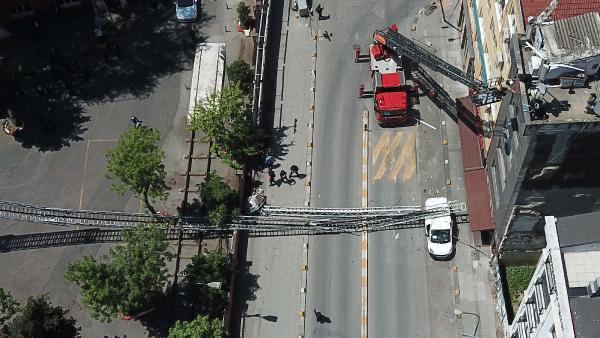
{"x":406,"y":47}
{"x":312,"y":220}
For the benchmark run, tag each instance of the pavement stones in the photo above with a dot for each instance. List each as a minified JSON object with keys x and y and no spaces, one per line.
{"x":282,"y":282}
{"x":473,"y":292}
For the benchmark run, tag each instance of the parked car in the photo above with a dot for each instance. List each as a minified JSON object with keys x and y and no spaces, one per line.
{"x":186,"y":10}
{"x":439,"y":230}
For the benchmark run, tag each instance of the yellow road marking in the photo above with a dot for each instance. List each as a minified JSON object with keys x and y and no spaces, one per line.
{"x":384,"y":162}
{"x":405,"y":152}
{"x":382,"y":143}
{"x":410,"y":169}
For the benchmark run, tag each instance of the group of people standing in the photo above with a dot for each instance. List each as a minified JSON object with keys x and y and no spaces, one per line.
{"x":283,"y":175}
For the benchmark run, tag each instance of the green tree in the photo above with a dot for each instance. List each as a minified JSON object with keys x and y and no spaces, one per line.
{"x":214,"y":266}
{"x":243,"y":12}
{"x":240,"y":72}
{"x":8,"y":307}
{"x":225,"y":119}
{"x":201,"y":327}
{"x":137,"y":163}
{"x":130,"y":279}
{"x":218,"y":199}
{"x":40,"y":319}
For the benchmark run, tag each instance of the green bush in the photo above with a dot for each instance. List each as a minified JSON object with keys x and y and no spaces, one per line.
{"x":240,"y":72}
{"x":243,"y":14}
{"x":517,"y":279}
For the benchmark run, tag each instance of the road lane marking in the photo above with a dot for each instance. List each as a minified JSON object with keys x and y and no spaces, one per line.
{"x":364,"y":243}
{"x":85,"y":162}
{"x":383,"y":164}
{"x":392,"y":156}
{"x":406,"y":153}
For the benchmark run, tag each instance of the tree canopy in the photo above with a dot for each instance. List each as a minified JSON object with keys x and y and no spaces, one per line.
{"x":128,"y":278}
{"x":218,"y":199}
{"x":240,"y":72}
{"x":40,"y":319}
{"x":243,"y":12}
{"x":210,"y":267}
{"x":201,"y":327}
{"x":8,"y":306}
{"x":225,"y":119}
{"x":136,"y":163}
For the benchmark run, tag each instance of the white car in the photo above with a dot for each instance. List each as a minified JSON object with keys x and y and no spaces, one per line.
{"x":439,"y":229}
{"x":186,"y":10}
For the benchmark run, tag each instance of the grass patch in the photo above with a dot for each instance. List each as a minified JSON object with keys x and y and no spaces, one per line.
{"x":517,"y":280}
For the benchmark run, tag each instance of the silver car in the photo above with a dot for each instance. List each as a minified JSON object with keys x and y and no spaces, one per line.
{"x":186,"y":10}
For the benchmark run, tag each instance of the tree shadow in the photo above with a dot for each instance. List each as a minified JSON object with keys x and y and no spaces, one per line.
{"x":277,"y":149}
{"x":53,"y":66}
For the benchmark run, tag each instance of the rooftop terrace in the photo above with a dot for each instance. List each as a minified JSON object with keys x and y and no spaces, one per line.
{"x":568,"y":105}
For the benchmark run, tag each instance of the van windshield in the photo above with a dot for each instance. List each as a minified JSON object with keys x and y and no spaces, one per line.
{"x":440,"y":236}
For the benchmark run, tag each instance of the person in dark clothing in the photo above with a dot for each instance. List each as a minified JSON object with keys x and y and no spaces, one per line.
{"x":271,"y":177}
{"x":319,"y":10}
{"x":283,"y":176}
{"x":294,"y":170}
{"x":135,"y":121}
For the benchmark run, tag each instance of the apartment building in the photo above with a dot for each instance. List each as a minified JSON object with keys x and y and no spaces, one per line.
{"x":488,"y":28}
{"x":536,"y":151}
{"x":562,"y":299}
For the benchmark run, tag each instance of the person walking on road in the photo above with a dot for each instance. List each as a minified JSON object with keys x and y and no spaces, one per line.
{"x":319,"y":10}
{"x":135,"y":121}
{"x":271,"y":177}
{"x":269,"y":161}
{"x":283,"y":176}
{"x":294,"y":170}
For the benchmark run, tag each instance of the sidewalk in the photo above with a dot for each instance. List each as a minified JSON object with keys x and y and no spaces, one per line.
{"x":473,"y":293}
{"x":278,"y":262}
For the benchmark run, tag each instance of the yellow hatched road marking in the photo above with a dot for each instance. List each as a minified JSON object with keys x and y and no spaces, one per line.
{"x":381,"y":144}
{"x":405,"y":152}
{"x":384,"y":162}
{"x":410,"y":169}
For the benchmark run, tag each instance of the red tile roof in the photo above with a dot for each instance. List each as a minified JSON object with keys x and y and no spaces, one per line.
{"x":533,"y":7}
{"x":476,"y":184}
{"x":565,"y":8}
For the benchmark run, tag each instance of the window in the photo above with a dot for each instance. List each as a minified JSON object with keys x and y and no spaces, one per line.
{"x":501,"y":166}
{"x":22,"y":9}
{"x":495,"y":187}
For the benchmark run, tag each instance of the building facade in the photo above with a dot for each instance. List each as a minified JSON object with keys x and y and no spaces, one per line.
{"x":561,"y":299}
{"x":536,"y":144}
{"x":491,"y":23}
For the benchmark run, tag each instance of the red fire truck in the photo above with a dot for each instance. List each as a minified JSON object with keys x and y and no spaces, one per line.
{"x":394,"y":95}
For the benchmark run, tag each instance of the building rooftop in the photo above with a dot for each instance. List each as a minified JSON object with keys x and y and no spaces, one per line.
{"x":565,"y":8}
{"x":574,"y":38}
{"x":579,"y":241}
{"x":564,"y":105}
{"x":586,"y":316}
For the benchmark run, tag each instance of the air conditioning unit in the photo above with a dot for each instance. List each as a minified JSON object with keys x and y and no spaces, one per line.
{"x":505,"y":35}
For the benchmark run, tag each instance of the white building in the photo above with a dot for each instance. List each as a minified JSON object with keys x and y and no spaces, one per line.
{"x":562,"y":299}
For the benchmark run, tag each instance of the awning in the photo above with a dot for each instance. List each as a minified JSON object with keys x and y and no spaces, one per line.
{"x":476,"y":183}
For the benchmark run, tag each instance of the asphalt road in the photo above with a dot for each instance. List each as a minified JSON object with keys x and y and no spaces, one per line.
{"x":409,"y":294}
